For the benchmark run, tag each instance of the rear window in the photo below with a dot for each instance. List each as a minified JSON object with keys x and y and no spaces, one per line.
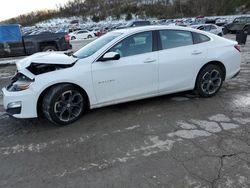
{"x":200,"y":38}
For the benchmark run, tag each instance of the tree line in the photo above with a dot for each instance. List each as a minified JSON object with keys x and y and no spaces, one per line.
{"x":161,"y":9}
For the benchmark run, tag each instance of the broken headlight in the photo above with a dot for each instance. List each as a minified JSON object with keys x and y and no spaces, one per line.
{"x":20,"y":82}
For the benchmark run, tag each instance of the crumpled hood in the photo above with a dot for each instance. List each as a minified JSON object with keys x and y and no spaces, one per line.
{"x":46,"y":58}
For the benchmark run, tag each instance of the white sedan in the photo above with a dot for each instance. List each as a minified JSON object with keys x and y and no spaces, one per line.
{"x":121,"y":66}
{"x":81,"y":34}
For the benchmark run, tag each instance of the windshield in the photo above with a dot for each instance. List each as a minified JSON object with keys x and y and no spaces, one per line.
{"x":96,"y":45}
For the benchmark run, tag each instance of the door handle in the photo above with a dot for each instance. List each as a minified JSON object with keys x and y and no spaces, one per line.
{"x":150,"y":61}
{"x":196,"y":53}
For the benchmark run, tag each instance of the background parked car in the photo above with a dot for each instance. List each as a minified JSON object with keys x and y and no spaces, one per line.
{"x":13,"y":43}
{"x":136,"y":23}
{"x":221,"y":21}
{"x":81,"y":34}
{"x":240,"y":23}
{"x":211,"y":28}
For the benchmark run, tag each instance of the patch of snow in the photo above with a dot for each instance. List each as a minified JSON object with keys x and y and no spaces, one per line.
{"x":157,"y":146}
{"x":242,"y":121}
{"x":190,"y":134}
{"x":220,"y":118}
{"x":209,"y":126}
{"x":133,"y":127}
{"x":228,"y":126}
{"x":185,"y":125}
{"x":22,"y":148}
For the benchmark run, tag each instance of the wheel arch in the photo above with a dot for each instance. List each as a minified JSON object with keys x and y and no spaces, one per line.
{"x":43,"y":93}
{"x":217,"y":63}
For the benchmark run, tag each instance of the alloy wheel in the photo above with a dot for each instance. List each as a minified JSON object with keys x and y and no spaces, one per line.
{"x":211,"y":82}
{"x":68,"y":106}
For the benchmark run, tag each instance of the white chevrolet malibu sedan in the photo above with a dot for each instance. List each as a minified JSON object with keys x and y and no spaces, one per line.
{"x":121,"y":66}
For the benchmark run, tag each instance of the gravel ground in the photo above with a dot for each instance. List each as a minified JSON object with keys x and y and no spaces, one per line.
{"x":177,"y":140}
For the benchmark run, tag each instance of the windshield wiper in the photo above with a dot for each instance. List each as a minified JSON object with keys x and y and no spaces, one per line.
{"x":74,"y":56}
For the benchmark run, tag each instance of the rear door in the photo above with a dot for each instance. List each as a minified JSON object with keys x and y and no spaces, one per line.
{"x":179,"y":60}
{"x":82,"y":34}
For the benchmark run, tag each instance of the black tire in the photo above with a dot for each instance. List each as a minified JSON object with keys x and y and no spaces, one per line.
{"x":56,"y":99}
{"x":220,"y":34}
{"x":247,"y":29}
{"x":207,"y":83}
{"x":49,"y":49}
{"x":225,"y":31}
{"x":89,"y":37}
{"x":73,"y":38}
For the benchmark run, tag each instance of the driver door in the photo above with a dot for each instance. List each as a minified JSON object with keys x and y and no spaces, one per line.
{"x":133,"y":76}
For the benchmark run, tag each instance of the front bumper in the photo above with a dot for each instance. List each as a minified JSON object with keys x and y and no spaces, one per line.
{"x":27,"y":103}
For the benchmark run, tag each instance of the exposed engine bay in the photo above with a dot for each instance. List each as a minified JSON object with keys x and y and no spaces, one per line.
{"x":40,"y":68}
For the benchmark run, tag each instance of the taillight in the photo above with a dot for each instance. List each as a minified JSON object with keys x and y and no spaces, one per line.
{"x":237,"y":47}
{"x":67,"y":38}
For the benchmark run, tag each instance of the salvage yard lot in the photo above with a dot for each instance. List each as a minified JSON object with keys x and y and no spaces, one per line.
{"x":176,"y":140}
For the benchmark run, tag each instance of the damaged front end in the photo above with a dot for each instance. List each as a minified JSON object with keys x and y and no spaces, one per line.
{"x":28,"y":68}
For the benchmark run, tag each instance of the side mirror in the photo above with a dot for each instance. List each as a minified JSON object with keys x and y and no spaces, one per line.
{"x":111,"y":56}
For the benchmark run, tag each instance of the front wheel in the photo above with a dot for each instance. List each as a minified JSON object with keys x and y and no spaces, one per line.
{"x":209,"y":81}
{"x":63,"y":104}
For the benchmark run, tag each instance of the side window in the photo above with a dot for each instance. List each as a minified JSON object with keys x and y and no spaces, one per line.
{"x":248,"y":20}
{"x":237,"y":20}
{"x":242,"y":20}
{"x":136,"y":44}
{"x":207,"y":28}
{"x":200,"y":38}
{"x":213,"y":27}
{"x":175,"y":38}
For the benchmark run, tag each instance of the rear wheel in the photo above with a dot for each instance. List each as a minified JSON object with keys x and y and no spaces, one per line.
{"x":247,"y":29}
{"x":209,"y":81}
{"x":73,"y":38}
{"x":49,"y":49}
{"x":63,"y":104}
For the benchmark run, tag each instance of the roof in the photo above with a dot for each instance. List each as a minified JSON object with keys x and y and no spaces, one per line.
{"x":150,"y":28}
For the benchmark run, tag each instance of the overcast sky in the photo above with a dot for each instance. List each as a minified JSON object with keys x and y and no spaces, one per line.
{"x":13,"y":8}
